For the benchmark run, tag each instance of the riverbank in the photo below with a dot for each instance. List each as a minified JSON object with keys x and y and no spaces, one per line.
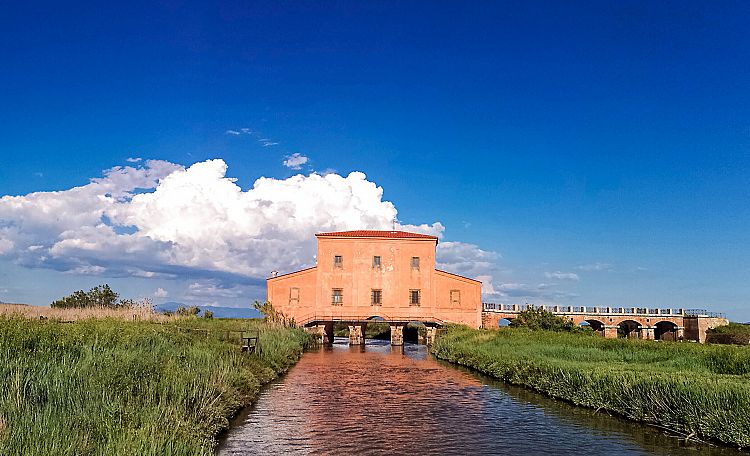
{"x":114,"y":387}
{"x":694,"y":390}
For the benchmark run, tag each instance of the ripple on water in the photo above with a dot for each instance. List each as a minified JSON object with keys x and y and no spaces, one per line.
{"x":397,"y":400}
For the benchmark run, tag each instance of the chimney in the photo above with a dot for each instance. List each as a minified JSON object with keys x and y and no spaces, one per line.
{"x":274,"y":273}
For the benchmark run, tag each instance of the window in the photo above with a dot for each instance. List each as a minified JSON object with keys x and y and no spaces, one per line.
{"x":413,"y":297}
{"x":337,"y":297}
{"x":376,"y":261}
{"x":338,"y":261}
{"x":415,"y":262}
{"x":377,"y":297}
{"x":455,"y":298}
{"x":294,"y":295}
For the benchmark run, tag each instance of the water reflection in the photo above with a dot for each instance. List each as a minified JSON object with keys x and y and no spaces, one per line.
{"x":380,"y":399}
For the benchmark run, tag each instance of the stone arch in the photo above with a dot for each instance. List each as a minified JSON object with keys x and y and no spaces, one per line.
{"x":503,"y":322}
{"x":415,"y":332}
{"x":594,"y":324}
{"x":377,"y":328}
{"x":665,"y":330}
{"x":629,"y":329}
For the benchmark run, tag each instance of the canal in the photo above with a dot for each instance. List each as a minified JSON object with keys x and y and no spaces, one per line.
{"x":379,"y":399}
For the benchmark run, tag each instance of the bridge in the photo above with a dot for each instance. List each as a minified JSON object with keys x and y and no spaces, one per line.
{"x":612,"y":322}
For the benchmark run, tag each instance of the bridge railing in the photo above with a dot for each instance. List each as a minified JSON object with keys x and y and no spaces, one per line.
{"x":703,"y":313}
{"x":651,"y":311}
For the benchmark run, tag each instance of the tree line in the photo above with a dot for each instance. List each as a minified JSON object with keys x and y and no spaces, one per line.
{"x":101,"y":296}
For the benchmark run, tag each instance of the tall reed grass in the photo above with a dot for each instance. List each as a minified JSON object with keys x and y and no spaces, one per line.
{"x":124,"y":313}
{"x":691,"y":389}
{"x":118,"y":387}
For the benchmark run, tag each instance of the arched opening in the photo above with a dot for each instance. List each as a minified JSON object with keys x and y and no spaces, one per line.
{"x":629,"y":329}
{"x":665,"y":330}
{"x":415,"y":332}
{"x":377,"y":329}
{"x":340,"y":329}
{"x":594,"y":325}
{"x":503,"y":323}
{"x":411,"y":334}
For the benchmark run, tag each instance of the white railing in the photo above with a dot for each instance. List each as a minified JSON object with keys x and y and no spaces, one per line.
{"x":591,"y":310}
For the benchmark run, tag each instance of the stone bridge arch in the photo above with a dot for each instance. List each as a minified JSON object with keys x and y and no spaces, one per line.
{"x":629,"y":329}
{"x":493,"y":319}
{"x":666,"y":330}
{"x":595,"y":324}
{"x":645,"y":323}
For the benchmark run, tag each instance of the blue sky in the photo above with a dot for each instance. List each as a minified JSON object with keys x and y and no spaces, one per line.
{"x":605,"y":142}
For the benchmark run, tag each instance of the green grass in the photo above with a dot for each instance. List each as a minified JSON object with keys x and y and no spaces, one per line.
{"x":692,"y":389}
{"x":112,"y":387}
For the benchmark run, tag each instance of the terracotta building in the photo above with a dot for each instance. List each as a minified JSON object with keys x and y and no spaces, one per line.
{"x":386,"y":274}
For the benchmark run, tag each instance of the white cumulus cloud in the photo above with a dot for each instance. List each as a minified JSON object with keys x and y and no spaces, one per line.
{"x":160,"y":219}
{"x":465,"y":259}
{"x":161,"y":293}
{"x":295,"y":161}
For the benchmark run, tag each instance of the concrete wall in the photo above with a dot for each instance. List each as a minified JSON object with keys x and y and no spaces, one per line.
{"x":358,"y":278}
{"x":695,"y":327}
{"x":279,"y":292}
{"x":465,"y":309}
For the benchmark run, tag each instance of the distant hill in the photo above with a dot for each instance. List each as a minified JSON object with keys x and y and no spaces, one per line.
{"x":219,"y":311}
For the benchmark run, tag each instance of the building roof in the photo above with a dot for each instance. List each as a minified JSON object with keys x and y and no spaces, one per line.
{"x":310,"y":269}
{"x":457,"y":275}
{"x":377,"y":234}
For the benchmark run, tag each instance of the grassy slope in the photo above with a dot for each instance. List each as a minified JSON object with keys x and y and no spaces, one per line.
{"x":113,"y":387}
{"x":689,"y":388}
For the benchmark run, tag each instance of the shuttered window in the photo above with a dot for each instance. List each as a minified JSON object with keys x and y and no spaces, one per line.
{"x":455,"y":298}
{"x":414,"y":297}
{"x":294,"y":295}
{"x":377,"y":297}
{"x":337,"y":297}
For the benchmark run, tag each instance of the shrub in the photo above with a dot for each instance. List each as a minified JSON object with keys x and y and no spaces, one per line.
{"x":731,"y":328}
{"x":273,"y":316}
{"x":187,"y":311}
{"x":99,"y":296}
{"x":538,"y":318}
{"x":208,"y":314}
{"x":733,"y":333}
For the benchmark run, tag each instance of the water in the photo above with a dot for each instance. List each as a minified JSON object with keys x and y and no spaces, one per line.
{"x":380,"y":399}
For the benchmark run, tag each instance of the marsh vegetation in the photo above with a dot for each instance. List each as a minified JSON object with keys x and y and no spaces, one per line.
{"x":113,"y":386}
{"x":697,"y":391}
